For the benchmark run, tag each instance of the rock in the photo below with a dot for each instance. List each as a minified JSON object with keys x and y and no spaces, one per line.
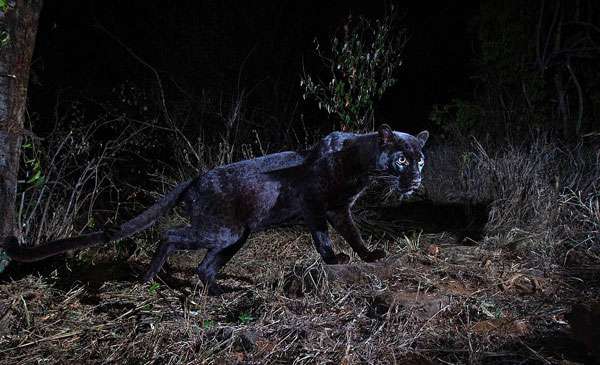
{"x":358,"y":273}
{"x":308,"y":280}
{"x":419,"y":304}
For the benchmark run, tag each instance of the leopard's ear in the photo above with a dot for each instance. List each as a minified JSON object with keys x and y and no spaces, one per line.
{"x":385,"y":134}
{"x":423,"y":137}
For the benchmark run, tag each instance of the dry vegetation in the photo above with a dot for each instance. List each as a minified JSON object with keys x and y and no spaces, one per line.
{"x":510,"y":299}
{"x":459,"y":304}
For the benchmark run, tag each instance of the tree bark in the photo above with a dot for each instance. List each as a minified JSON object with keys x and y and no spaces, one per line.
{"x":19,"y":21}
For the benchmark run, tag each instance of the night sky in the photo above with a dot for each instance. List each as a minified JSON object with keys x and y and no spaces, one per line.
{"x":198,"y":48}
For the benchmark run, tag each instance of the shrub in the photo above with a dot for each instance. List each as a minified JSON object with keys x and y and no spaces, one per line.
{"x":543,"y":193}
{"x":361,"y":63}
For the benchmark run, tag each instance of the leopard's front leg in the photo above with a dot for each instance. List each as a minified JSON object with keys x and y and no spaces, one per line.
{"x":316,"y":221}
{"x":341,"y":220}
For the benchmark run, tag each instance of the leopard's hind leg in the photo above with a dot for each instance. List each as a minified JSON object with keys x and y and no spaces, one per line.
{"x":216,"y":258}
{"x":184,"y":238}
{"x":222,"y":243}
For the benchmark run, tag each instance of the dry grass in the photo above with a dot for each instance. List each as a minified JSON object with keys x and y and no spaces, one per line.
{"x":459,"y":305}
{"x":544,"y":195}
{"x":430,"y":301}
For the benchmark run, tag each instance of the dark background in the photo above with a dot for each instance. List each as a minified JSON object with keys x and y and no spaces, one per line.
{"x":207,"y":51}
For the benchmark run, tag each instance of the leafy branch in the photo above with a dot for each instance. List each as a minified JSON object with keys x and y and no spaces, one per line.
{"x":361,"y":61}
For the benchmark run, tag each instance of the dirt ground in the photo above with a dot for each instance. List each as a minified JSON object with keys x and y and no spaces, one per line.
{"x":430,"y":301}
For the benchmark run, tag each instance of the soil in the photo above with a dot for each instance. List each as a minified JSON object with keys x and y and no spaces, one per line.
{"x":430,"y":301}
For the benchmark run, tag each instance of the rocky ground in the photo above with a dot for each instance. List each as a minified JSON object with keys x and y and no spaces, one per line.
{"x":429,"y":301}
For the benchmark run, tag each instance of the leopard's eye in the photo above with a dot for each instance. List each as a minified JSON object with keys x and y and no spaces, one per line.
{"x":421,"y":162}
{"x":402,"y":160}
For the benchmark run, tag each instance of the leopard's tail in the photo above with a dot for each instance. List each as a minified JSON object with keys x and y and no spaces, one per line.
{"x":144,"y":220}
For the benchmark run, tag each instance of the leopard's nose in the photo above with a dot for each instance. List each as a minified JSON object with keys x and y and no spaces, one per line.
{"x":416,"y":184}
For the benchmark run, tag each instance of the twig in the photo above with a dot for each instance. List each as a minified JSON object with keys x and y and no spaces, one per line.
{"x":45,"y":339}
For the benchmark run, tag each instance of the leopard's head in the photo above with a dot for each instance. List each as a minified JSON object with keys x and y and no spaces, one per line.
{"x":400,"y":160}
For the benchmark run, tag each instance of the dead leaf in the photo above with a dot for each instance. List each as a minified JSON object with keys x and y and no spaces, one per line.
{"x":433,"y":250}
{"x":239,"y":356}
{"x":522,"y":284}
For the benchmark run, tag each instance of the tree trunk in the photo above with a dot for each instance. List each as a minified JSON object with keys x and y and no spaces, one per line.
{"x":19,"y":21}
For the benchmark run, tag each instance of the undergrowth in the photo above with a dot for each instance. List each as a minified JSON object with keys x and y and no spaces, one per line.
{"x":430,"y":301}
{"x":543,"y":194}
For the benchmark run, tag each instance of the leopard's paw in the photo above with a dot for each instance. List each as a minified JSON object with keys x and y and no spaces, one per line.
{"x":375,"y":255}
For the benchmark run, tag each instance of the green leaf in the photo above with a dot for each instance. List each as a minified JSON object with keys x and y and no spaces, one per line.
{"x":245,"y":318}
{"x":4,"y":38}
{"x":153,"y":288}
{"x":35,"y":177}
{"x":4,"y":260}
{"x":208,"y":324}
{"x":39,"y":182}
{"x":3,"y":5}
